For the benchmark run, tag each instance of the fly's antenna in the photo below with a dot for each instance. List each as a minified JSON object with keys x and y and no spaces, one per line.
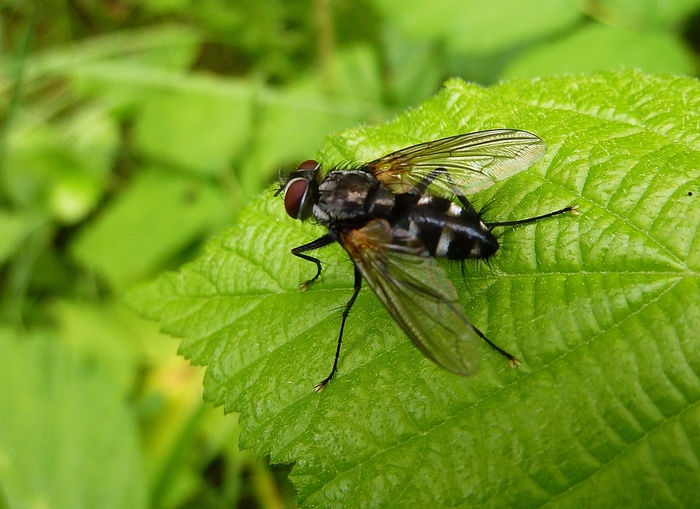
{"x":282,"y":178}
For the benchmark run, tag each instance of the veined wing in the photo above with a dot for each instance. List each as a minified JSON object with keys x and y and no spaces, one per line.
{"x":416,"y":292}
{"x":474,"y":161}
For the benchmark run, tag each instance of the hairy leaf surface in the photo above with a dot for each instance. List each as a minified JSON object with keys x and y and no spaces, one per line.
{"x":603,"y":309}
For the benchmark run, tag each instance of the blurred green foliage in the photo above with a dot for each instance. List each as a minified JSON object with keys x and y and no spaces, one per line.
{"x":133,"y":130}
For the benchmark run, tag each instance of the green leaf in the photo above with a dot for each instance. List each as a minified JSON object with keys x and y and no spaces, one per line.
{"x":164,"y":46}
{"x":14,"y":228}
{"x":158,"y":216}
{"x":60,"y":168}
{"x":602,"y":308}
{"x":643,"y":14}
{"x":278,"y":136}
{"x":66,"y":437}
{"x":203,"y":124}
{"x":477,"y":26}
{"x":198,"y":122}
{"x":109,"y":335}
{"x":414,"y":68}
{"x":598,"y":48}
{"x":195,"y":121}
{"x":357,"y":76}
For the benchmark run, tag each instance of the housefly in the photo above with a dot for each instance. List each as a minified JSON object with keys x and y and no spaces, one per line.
{"x":395,"y":215}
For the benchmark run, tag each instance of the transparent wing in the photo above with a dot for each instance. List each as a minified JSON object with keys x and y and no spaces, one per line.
{"x":416,"y":292}
{"x":474,"y":161}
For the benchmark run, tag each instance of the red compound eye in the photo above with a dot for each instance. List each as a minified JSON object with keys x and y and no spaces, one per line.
{"x":308,"y":165}
{"x":294,"y":196}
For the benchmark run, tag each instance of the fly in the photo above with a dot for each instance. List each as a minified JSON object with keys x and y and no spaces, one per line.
{"x":395,"y":215}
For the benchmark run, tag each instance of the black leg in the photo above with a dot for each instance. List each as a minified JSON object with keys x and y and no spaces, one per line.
{"x":458,"y":192}
{"x":571,"y":208}
{"x":314,"y":244}
{"x":423,"y":185}
{"x":358,"y":285}
{"x":511,"y":358}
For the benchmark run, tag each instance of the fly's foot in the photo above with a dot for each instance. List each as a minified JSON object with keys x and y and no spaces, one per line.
{"x":303,"y":286}
{"x":321,"y":385}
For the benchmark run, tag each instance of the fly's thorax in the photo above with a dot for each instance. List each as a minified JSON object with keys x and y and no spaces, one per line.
{"x":350,"y":196}
{"x":448,"y":230}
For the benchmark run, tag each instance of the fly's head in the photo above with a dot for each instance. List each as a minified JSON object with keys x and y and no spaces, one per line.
{"x":301,"y":190}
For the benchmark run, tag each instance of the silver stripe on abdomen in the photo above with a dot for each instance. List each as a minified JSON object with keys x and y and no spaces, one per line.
{"x":443,"y":245}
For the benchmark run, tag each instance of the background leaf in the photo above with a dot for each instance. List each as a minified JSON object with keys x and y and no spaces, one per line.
{"x":602,"y":308}
{"x":598,"y":48}
{"x":472,"y":26}
{"x":66,"y":437}
{"x":643,"y":14}
{"x":159,"y":215}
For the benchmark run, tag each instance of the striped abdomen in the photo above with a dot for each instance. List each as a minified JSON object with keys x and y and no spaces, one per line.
{"x":448,"y":230}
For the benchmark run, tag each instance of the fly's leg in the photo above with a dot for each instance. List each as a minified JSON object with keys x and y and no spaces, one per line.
{"x":358,"y":284}
{"x":314,"y":244}
{"x":423,"y":185}
{"x":512,"y":360}
{"x":572,"y":208}
{"x":430,"y":177}
{"x":517,"y":222}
